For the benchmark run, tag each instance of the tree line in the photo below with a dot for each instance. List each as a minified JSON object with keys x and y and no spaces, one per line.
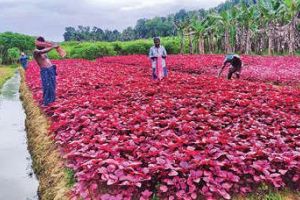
{"x":243,"y":26}
{"x":271,"y":25}
{"x":144,"y":28}
{"x":11,"y":45}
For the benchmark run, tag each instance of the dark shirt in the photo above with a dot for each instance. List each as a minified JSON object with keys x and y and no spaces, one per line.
{"x":23,"y":61}
{"x":234,"y":61}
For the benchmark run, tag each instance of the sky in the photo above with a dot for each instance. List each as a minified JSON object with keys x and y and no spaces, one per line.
{"x":50,"y":17}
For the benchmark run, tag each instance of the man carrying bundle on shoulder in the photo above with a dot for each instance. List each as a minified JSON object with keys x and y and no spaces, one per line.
{"x":236,"y":65}
{"x":47,"y":69}
{"x":158,"y":55}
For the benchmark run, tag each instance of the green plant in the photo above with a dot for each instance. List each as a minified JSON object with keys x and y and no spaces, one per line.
{"x":13,"y":54}
{"x":70,"y":177}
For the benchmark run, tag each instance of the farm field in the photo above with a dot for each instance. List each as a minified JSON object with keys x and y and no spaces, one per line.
{"x":189,"y":136}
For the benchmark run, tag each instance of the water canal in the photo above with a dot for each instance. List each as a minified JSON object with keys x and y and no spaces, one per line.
{"x":17,"y":180}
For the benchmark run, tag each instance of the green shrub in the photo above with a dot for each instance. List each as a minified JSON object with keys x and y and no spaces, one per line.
{"x":53,"y":55}
{"x":92,"y":51}
{"x":9,"y":40}
{"x":13,"y":54}
{"x":172,"y":45}
{"x":136,"y":47}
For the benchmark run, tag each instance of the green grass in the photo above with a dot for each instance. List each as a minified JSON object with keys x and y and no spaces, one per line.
{"x":269,"y":193}
{"x":6,"y":72}
{"x":70,"y":177}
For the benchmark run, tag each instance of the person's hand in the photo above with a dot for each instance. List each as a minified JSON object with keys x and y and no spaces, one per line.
{"x":55,"y":46}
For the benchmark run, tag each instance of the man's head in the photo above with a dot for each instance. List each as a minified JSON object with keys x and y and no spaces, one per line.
{"x":156,"y":41}
{"x":40,"y":39}
{"x":22,"y":54}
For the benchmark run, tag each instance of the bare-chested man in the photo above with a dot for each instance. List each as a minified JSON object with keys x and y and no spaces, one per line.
{"x":47,"y":69}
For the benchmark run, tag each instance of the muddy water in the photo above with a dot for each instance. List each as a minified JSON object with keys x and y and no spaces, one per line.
{"x":17,"y":180}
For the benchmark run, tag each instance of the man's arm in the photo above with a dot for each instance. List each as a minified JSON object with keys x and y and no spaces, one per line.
{"x":164,"y":54}
{"x":46,"y":50}
{"x":220,"y":72}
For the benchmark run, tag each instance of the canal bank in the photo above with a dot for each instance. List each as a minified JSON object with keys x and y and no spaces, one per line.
{"x":47,"y":161}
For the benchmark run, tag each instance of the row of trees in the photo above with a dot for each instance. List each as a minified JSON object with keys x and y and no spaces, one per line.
{"x":243,"y":26}
{"x":144,"y":28}
{"x":11,"y":44}
{"x":247,"y":27}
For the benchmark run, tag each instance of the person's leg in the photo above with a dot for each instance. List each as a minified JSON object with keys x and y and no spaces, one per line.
{"x":238,"y":72}
{"x":229,"y":74}
{"x":154,"y":76}
{"x":45,"y":85}
{"x":52,"y":84}
{"x":232,"y":70}
{"x":165,"y":71}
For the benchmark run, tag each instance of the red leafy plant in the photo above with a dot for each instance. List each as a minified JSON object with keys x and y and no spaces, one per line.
{"x":191,"y":135}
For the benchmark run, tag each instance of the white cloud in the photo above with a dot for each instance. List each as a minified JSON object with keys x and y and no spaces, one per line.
{"x":146,"y":4}
{"x":49,"y":18}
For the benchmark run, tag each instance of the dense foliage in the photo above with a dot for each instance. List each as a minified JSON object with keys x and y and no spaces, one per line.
{"x":15,"y":42}
{"x":234,"y":26}
{"x":13,"y":54}
{"x":144,"y":28}
{"x":191,"y":135}
{"x":93,"y":50}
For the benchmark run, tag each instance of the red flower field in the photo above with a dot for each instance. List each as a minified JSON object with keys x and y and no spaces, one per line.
{"x":191,"y":135}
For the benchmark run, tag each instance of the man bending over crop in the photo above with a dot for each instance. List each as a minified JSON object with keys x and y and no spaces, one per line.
{"x":158,"y":55}
{"x":236,"y":65}
{"x":47,"y":69}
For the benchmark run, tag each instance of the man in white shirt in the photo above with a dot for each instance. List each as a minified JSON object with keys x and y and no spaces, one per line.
{"x":155,"y":52}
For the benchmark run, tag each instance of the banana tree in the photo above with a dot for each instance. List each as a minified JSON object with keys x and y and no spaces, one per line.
{"x":233,"y":32}
{"x":199,"y":27}
{"x":290,"y":9}
{"x":268,"y":12}
{"x":248,"y":16}
{"x":182,"y":27}
{"x":223,"y":21}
